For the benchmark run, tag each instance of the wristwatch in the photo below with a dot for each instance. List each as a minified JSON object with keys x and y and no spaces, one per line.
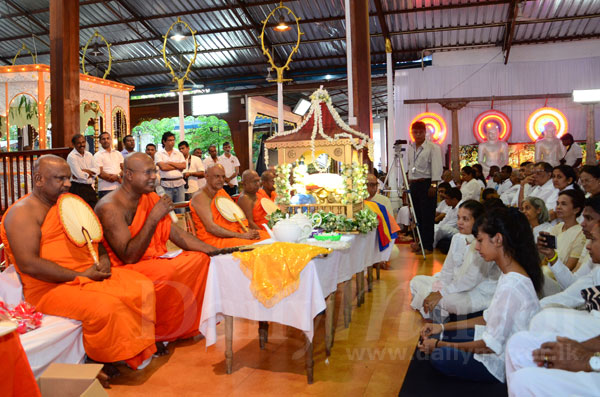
{"x":595,"y":362}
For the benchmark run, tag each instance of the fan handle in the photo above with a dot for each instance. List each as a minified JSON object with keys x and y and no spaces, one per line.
{"x":244,"y":228}
{"x":88,"y":240}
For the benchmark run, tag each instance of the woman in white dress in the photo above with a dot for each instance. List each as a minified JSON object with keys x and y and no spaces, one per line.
{"x":536,"y":213}
{"x":470,"y":187}
{"x":474,"y":349}
{"x":466,"y":283}
{"x":589,"y":178}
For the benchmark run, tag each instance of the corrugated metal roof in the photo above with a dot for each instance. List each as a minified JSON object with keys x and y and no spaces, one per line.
{"x":228,"y":33}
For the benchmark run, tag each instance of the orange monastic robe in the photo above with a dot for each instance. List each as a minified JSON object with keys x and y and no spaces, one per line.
{"x":222,"y":242}
{"x":179,"y":282}
{"x":117,"y":314}
{"x":258,"y":213}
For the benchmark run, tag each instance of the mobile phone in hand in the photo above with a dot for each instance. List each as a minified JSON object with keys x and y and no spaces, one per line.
{"x":550,"y":241}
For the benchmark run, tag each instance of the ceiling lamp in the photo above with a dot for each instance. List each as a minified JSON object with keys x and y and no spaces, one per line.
{"x":282,"y":26}
{"x":96,"y":50}
{"x":177,"y":34}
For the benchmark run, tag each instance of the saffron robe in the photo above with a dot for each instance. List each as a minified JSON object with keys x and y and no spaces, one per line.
{"x":179,"y":282}
{"x":222,"y":242}
{"x":117,"y":314}
{"x":259,"y":215}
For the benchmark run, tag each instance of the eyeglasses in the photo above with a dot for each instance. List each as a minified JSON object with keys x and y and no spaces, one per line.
{"x":149,"y":172}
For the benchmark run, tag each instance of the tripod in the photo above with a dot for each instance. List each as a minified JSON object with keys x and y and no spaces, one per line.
{"x":405,"y":186}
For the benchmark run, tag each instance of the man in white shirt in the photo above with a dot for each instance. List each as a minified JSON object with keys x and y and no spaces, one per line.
{"x":171,"y":163}
{"x":193,"y":172}
{"x":573,"y":153}
{"x":212,"y":158}
{"x":424,"y":159}
{"x":544,"y":188}
{"x":110,"y":165}
{"x":198,"y":153}
{"x":505,"y":182}
{"x":83,"y":171}
{"x":232,"y":169}
{"x":128,"y":145}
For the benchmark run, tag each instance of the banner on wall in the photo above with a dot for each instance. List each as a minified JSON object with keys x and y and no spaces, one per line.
{"x":435,"y":124}
{"x":488,"y":120}
{"x":540,"y":117}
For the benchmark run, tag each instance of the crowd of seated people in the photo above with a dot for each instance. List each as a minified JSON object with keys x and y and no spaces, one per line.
{"x":522,"y":278}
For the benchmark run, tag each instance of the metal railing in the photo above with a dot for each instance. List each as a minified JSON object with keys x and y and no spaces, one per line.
{"x":16,"y":178}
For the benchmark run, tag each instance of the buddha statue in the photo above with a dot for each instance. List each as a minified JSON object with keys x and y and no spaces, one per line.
{"x":493,"y":151}
{"x":549,"y":148}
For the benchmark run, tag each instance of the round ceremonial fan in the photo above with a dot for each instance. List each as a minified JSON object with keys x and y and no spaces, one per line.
{"x":230,"y":211}
{"x":79,"y":222}
{"x":268,"y":205}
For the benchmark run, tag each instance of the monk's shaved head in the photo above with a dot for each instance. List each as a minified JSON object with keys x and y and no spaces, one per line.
{"x":137,"y":159}
{"x":213,"y":169}
{"x":371,"y":178}
{"x":267,"y":175}
{"x":47,"y":161}
{"x":249,"y":174}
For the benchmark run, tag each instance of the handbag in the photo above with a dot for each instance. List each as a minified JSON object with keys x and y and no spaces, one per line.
{"x":591,"y":296}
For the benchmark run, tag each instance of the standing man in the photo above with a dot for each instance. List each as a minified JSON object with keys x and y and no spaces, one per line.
{"x":151,"y":150}
{"x":212,"y":158}
{"x":83,"y":171}
{"x":110,"y":164}
{"x":194,"y":171}
{"x":232,"y":169}
{"x":424,"y":172}
{"x":197,"y":152}
{"x":128,"y":145}
{"x":171,"y":163}
{"x":573,"y":153}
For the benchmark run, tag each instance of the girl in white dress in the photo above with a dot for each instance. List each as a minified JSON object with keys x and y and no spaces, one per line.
{"x":466,"y":283}
{"x":474,"y":349}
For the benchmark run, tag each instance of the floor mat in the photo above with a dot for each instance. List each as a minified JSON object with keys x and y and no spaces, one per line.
{"x":423,"y":380}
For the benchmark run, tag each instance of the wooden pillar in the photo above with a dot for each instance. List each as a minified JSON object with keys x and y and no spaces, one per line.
{"x":64,"y":70}
{"x":590,"y":142}
{"x":454,"y":107}
{"x":361,"y":67}
{"x":239,"y":132}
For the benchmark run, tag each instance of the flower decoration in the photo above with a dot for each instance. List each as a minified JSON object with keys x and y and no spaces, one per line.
{"x":366,"y":220}
{"x":275,"y":217}
{"x":282,"y":184}
{"x":355,"y":183}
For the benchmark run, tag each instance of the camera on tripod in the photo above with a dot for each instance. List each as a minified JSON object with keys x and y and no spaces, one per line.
{"x":398,"y":146}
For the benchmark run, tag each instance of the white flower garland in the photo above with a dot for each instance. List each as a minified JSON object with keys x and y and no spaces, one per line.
{"x":321,"y":95}
{"x":355,"y":183}
{"x":282,"y":184}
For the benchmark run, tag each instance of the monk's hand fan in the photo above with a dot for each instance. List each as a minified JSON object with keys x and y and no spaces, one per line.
{"x":80,"y":223}
{"x":268,"y":205}
{"x":231,"y":211}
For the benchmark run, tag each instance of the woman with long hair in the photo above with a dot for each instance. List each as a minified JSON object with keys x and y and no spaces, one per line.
{"x":466,"y":282}
{"x":476,"y":353}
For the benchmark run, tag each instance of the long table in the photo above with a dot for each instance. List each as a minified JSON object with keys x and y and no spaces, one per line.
{"x":228,"y":294}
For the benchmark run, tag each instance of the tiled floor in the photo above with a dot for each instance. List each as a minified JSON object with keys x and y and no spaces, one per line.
{"x":369,"y":358}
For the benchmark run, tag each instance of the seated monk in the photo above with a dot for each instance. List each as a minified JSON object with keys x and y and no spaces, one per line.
{"x":116,"y":306}
{"x":137,"y":226}
{"x":267,"y":180}
{"x":211,"y":226}
{"x":249,"y":200}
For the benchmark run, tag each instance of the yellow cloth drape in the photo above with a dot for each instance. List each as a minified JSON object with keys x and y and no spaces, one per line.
{"x":274,"y":269}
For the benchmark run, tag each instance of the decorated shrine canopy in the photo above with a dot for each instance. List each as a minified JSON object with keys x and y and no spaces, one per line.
{"x":322,"y":131}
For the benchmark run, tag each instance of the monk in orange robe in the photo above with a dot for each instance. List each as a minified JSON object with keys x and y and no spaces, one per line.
{"x":267,"y":181}
{"x":250,"y":199}
{"x":211,"y":226}
{"x":115,"y":306}
{"x":137,"y":226}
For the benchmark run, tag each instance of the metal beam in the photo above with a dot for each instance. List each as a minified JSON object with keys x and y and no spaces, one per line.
{"x":509,"y":30}
{"x":442,"y":101}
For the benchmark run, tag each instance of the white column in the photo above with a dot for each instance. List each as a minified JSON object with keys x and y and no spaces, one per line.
{"x":181,"y":118}
{"x":391,"y":135}
{"x":280,"y":124}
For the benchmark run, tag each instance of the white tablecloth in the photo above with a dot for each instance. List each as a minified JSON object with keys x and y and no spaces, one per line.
{"x":228,"y":293}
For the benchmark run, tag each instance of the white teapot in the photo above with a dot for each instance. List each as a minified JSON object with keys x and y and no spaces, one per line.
{"x":304,"y":222}
{"x":285,"y":230}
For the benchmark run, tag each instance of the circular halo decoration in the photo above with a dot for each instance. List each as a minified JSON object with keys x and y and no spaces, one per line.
{"x":87,"y":44}
{"x":182,"y":79}
{"x":489,"y":118}
{"x":436,"y":126}
{"x":280,"y":69}
{"x":538,"y":119}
